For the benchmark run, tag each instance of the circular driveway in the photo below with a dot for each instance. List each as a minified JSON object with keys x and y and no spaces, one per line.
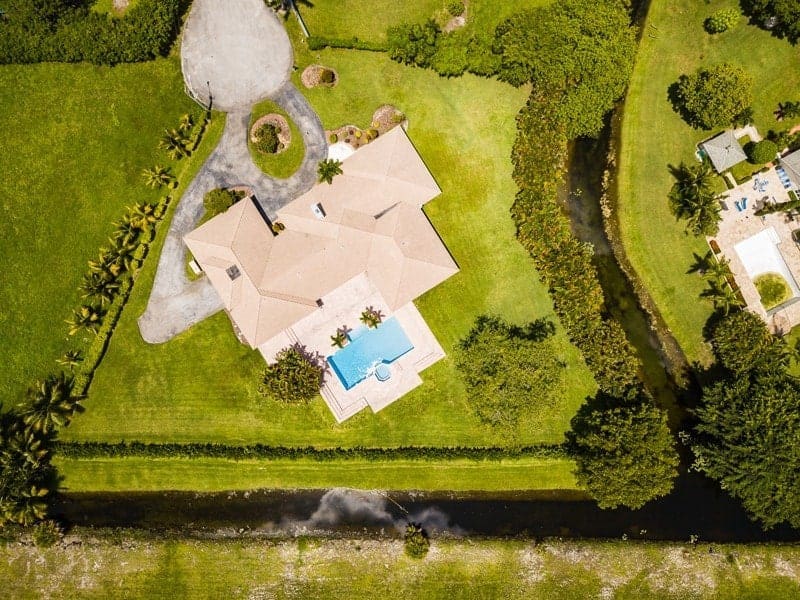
{"x":235,"y":50}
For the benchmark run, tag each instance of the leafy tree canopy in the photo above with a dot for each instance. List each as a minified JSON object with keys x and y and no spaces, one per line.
{"x":579,"y":50}
{"x":743,"y":344}
{"x":219,"y":200}
{"x":692,"y":199}
{"x":509,"y":370}
{"x":292,"y":378}
{"x":624,"y":450}
{"x":713,"y":96}
{"x":761,"y":152}
{"x":783,"y":16}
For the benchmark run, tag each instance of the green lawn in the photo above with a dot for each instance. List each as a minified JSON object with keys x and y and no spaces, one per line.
{"x":360,"y":569}
{"x":202,"y":386}
{"x":280,"y":165}
{"x":75,"y":139}
{"x":653,"y":136}
{"x":213,"y":475}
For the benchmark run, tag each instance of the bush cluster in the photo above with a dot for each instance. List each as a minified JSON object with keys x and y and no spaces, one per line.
{"x":292,"y":378}
{"x":262,"y":451}
{"x":761,"y":152}
{"x":217,"y":201}
{"x":781,"y":16}
{"x":317,"y":42}
{"x":67,"y":31}
{"x":455,"y":8}
{"x":267,"y":138}
{"x":722,"y":20}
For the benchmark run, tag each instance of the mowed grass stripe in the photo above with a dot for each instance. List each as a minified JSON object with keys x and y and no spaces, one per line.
{"x":211,"y":475}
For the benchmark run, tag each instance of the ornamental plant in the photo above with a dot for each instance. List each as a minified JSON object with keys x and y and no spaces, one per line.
{"x":722,"y":20}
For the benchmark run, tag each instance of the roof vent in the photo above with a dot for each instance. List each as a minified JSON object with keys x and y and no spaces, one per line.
{"x":319,"y":302}
{"x":318,"y":211}
{"x":233,"y":272}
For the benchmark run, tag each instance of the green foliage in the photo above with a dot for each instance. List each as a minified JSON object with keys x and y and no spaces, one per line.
{"x":509,"y":370}
{"x":65,"y":31}
{"x":47,"y":534}
{"x":455,"y":8}
{"x":722,"y":20}
{"x":219,"y":200}
{"x":450,"y":59}
{"x":327,"y":169}
{"x":782,"y":16}
{"x":692,"y":198}
{"x":292,"y":378}
{"x":413,"y":44}
{"x":316,"y":42}
{"x":481,"y":58}
{"x":742,"y":344}
{"x":577,"y":51}
{"x":327,"y":77}
{"x":417,"y":543}
{"x":50,"y":403}
{"x":624,"y":451}
{"x":267,"y":138}
{"x":772,"y":289}
{"x":712,"y":96}
{"x":761,"y":152}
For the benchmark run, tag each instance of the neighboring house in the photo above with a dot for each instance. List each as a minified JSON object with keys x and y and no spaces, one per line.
{"x":361,"y":241}
{"x":724,"y":151}
{"x":791,"y":166}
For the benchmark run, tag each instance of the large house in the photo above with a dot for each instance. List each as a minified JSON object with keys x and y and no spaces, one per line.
{"x":360,"y":242}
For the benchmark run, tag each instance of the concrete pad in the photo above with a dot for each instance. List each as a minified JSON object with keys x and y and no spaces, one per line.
{"x":234,"y":53}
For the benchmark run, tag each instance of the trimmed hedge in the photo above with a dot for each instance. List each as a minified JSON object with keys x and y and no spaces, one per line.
{"x":261,"y":451}
{"x":28,"y":35}
{"x":317,"y":42}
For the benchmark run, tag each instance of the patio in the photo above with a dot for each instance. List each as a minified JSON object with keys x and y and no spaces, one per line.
{"x":737,"y":226}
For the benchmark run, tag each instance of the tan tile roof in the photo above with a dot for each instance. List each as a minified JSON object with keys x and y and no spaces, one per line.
{"x":373,"y":224}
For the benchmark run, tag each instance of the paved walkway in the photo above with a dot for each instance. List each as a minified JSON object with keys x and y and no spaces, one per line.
{"x":176,"y":303}
{"x":236,"y":51}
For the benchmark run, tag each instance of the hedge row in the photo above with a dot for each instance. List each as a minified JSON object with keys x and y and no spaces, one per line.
{"x":316,"y":42}
{"x":68,"y":34}
{"x":564,"y":263}
{"x":198,"y":450}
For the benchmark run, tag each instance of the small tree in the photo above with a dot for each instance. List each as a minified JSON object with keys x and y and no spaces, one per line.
{"x":292,"y":378}
{"x":157,"y":176}
{"x":46,"y":534}
{"x":722,"y":20}
{"x":267,"y":138}
{"x":712,"y":97}
{"x":218,"y":201}
{"x":455,"y":8}
{"x":761,"y":152}
{"x":328,"y":169}
{"x":417,"y":543}
{"x":327,"y":77}
{"x":623,"y":449}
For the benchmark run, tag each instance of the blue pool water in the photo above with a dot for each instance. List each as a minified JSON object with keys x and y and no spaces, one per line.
{"x":368,"y":348}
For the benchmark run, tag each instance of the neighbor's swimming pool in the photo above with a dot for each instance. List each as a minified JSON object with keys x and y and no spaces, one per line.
{"x":367,"y":349}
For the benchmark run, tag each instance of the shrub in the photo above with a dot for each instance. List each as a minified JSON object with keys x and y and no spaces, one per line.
{"x":316,"y":42}
{"x":413,"y":44}
{"x":456,"y":8}
{"x":327,"y":77}
{"x":267,"y":138}
{"x":722,"y":20}
{"x":218,"y":201}
{"x":47,"y":534}
{"x":761,"y":152}
{"x":333,"y":138}
{"x":417,"y":543}
{"x":712,"y":97}
{"x":292,"y":378}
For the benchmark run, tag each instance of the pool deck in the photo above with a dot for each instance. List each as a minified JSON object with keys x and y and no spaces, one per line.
{"x":343,"y":307}
{"x":737,"y":226}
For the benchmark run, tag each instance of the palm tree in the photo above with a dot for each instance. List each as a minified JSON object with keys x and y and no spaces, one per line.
{"x":340,"y":338}
{"x":50,"y":403}
{"x":98,"y":286}
{"x":722,"y":295}
{"x":328,"y":169}
{"x":26,"y":510}
{"x":143,"y":215}
{"x":174,"y":143}
{"x":371,"y":317}
{"x":187,"y":122}
{"x":158,"y":176}
{"x":692,"y":198}
{"x":719,"y":269}
{"x":127,"y":231}
{"x":86,"y":317}
{"x":71,"y":359}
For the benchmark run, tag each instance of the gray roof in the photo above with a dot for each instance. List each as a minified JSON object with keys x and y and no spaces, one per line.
{"x":791,"y":164}
{"x":724,"y":151}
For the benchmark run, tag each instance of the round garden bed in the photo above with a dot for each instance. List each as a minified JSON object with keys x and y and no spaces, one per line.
{"x":383,"y":119}
{"x":773,"y":290}
{"x":318,"y":75}
{"x":280,"y":124}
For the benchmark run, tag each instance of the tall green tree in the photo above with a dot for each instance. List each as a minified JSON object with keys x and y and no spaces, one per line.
{"x":623,"y":449}
{"x":579,"y":52}
{"x":742,"y":344}
{"x":50,"y":404}
{"x":713,"y":96}
{"x":692,"y":199}
{"x":783,"y":16}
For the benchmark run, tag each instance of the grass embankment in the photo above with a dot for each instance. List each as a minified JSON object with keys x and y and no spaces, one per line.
{"x":202,"y":386}
{"x":653,"y":136}
{"x":322,"y":569}
{"x":75,"y":140}
{"x":282,"y":164}
{"x":215,"y":475}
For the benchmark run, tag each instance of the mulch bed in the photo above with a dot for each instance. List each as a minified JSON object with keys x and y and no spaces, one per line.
{"x":311,"y":76}
{"x":386,"y":117}
{"x":279,"y":121}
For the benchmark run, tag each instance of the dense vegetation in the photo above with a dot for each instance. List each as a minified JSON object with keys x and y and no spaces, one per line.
{"x":217,"y":201}
{"x":782,"y":16}
{"x":749,"y":422}
{"x":293,"y":377}
{"x":692,"y":199}
{"x":714,"y":96}
{"x":509,"y":370}
{"x":67,"y":31}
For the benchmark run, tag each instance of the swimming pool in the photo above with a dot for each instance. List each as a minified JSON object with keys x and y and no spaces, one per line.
{"x":368,"y":348}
